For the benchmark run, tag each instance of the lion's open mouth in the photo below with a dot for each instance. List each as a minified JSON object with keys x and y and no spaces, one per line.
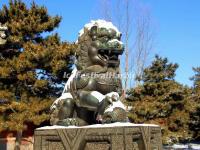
{"x":103,"y":57}
{"x":110,"y":56}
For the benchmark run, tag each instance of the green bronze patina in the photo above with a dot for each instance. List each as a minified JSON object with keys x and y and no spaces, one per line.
{"x":98,"y":53}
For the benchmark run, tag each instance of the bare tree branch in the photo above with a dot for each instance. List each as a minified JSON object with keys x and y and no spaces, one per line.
{"x":144,"y":43}
{"x":134,"y":21}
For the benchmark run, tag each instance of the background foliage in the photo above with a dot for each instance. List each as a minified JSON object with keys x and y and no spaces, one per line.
{"x":33,"y":61}
{"x":162,"y":100}
{"x":32,"y":64}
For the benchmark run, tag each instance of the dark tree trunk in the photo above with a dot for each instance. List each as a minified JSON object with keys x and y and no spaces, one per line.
{"x":18,"y":140}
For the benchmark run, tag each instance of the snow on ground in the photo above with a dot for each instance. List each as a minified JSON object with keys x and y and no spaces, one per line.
{"x":116,"y":124}
{"x":189,"y":146}
{"x":194,"y":146}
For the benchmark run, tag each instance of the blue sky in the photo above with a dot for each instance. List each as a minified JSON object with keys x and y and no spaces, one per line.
{"x":177,"y":23}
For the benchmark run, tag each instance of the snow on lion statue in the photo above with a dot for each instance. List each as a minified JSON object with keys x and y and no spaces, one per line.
{"x":92,"y":92}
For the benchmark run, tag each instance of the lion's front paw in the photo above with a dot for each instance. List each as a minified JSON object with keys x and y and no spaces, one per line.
{"x":68,"y":122}
{"x":72,"y":122}
{"x":117,"y":115}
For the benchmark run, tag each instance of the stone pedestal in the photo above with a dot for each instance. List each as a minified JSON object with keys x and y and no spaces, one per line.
{"x":116,"y":136}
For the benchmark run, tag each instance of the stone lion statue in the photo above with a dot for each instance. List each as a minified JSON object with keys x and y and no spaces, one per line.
{"x":92,"y":92}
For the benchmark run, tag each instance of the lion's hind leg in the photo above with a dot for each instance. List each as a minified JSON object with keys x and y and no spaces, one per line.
{"x":61,"y":109}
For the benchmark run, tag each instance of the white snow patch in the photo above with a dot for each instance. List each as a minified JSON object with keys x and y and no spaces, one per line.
{"x":188,"y":146}
{"x":116,"y":124}
{"x":113,"y":94}
{"x":115,"y":105}
{"x":66,"y":94}
{"x":72,"y":76}
{"x":100,"y":24}
{"x":98,"y":95}
{"x":55,"y":127}
{"x":63,"y":96}
{"x":119,"y":124}
{"x":194,"y":146}
{"x":115,"y":40}
{"x":179,"y":146}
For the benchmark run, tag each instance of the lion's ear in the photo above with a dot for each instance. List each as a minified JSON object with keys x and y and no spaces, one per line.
{"x":93,"y":30}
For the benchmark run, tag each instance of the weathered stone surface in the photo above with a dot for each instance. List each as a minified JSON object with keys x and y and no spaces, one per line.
{"x":117,"y":136}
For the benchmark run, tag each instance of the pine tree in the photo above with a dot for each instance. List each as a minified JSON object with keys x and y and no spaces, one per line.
{"x":196,"y":80}
{"x":194,"y":106}
{"x":161,"y":100}
{"x":32,"y":64}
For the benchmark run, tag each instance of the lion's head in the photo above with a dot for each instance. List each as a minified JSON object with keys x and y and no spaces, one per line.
{"x":99,"y":44}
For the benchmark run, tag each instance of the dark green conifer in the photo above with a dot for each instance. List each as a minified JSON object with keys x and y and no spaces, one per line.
{"x":32,"y":64}
{"x":161,"y":100}
{"x":194,"y":106}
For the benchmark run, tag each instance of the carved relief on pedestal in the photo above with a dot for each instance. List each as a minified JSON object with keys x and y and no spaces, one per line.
{"x":98,"y":138}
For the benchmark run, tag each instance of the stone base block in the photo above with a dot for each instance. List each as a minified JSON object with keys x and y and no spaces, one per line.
{"x":116,"y":136}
